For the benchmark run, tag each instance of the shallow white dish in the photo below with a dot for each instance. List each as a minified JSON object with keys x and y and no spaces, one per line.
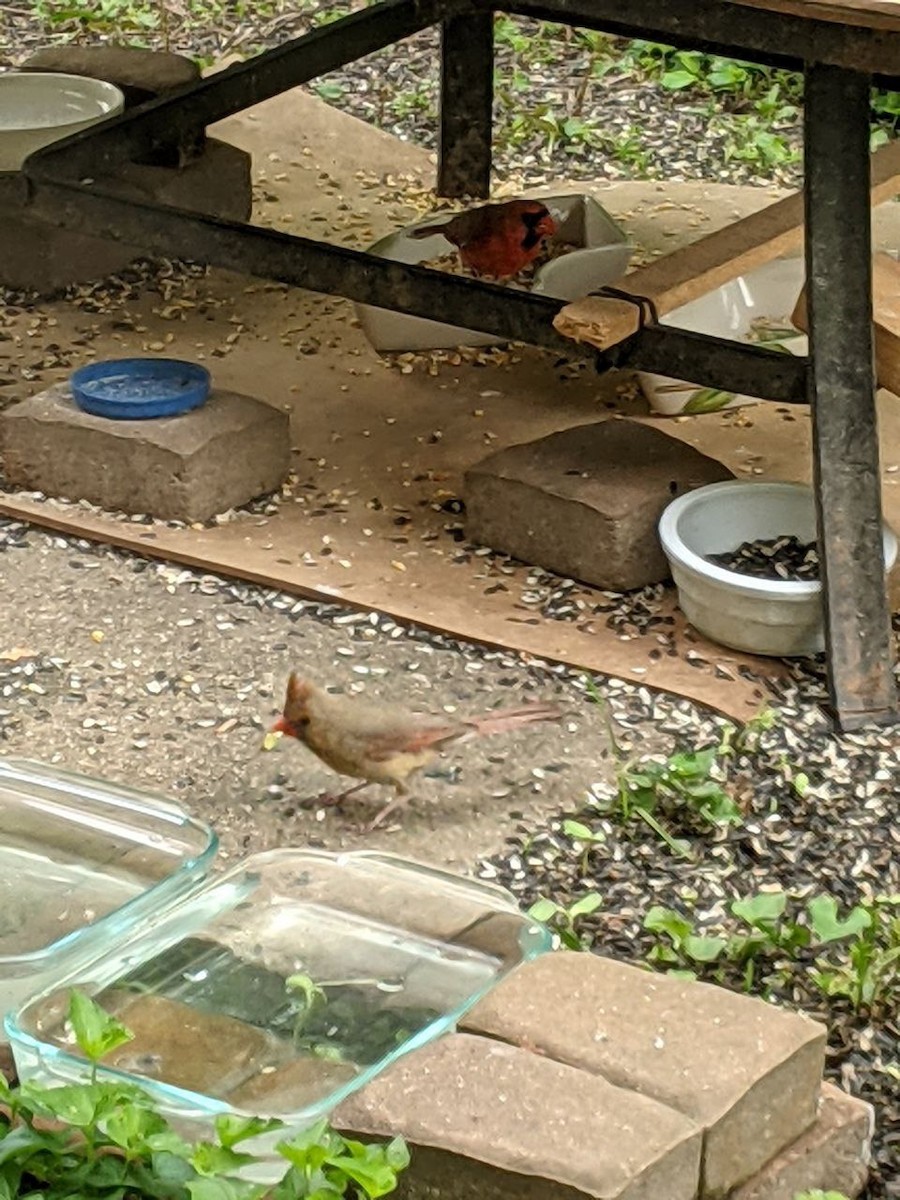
{"x":780,"y":618}
{"x":37,"y":108}
{"x":603,"y":260}
{"x":731,"y":311}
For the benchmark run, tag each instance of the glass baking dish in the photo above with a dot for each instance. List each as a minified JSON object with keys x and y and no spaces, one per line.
{"x":284,"y":984}
{"x":82,"y":863}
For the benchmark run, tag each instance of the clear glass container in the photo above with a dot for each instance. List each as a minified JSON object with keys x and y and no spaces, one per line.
{"x":82,"y":863}
{"x":285,"y":983}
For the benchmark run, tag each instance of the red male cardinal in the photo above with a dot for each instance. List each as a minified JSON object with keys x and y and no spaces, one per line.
{"x":496,"y":239}
{"x":383,"y":743}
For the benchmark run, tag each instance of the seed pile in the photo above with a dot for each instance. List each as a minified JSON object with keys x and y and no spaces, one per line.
{"x":451,"y":265}
{"x":783,"y":558}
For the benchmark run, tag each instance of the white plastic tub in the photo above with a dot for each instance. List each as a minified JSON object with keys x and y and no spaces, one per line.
{"x":731,"y":311}
{"x":602,"y":260}
{"x":782,"y":618}
{"x":37,"y":108}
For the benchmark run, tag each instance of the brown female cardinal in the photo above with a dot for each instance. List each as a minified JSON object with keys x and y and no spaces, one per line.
{"x":496,"y":239}
{"x":383,"y":743}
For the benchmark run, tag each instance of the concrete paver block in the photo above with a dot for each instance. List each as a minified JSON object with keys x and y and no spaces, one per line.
{"x":832,"y":1155}
{"x":184,"y":468}
{"x":141,"y":74}
{"x":585,"y":502}
{"x":35,"y":256}
{"x":746,"y":1072}
{"x":497,"y":1122}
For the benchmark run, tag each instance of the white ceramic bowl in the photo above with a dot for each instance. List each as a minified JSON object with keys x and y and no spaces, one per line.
{"x":604,"y":259}
{"x":37,"y":108}
{"x":730,"y":311}
{"x":782,"y":618}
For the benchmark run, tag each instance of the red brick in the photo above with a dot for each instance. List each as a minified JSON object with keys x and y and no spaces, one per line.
{"x":746,"y":1072}
{"x":489,"y":1120}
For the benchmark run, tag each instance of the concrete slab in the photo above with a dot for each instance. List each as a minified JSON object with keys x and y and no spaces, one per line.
{"x":185,"y":468}
{"x":585,"y":502}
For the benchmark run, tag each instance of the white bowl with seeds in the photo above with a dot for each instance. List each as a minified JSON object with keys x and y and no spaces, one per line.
{"x":781,"y":618}
{"x":600,"y":257}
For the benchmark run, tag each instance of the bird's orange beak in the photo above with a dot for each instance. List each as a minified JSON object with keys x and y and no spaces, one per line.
{"x":283,"y":726}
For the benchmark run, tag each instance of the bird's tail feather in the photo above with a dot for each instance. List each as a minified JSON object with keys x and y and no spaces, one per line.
{"x":427,"y":230}
{"x":511,"y":718}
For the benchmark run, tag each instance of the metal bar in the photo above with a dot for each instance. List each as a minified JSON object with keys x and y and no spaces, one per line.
{"x":772,"y":38}
{"x":842,"y":397}
{"x":318,"y":266}
{"x":467,"y":100}
{"x":713,"y":362}
{"x":147,"y":129}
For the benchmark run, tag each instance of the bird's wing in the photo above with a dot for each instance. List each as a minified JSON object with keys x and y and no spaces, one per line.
{"x":413,"y":737}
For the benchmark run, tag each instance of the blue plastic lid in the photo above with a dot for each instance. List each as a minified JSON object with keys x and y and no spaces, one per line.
{"x":136,"y":389}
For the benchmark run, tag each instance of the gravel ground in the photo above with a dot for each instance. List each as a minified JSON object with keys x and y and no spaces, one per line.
{"x":622,"y":125}
{"x":141,"y":671}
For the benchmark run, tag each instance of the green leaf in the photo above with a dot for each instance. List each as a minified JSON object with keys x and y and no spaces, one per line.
{"x":704,"y":948}
{"x":306,"y":986}
{"x":707,"y":400}
{"x":231,"y":1129}
{"x":130,"y":1126}
{"x":367,"y":1166}
{"x":800,"y":784}
{"x":74,"y":1103}
{"x":310,"y":1145}
{"x":543,"y":910}
{"x":670,"y":922}
{"x":760,"y":911}
{"x":330,"y":91}
{"x":217,"y":1189}
{"x":397,"y":1154}
{"x":210,"y":1160}
{"x":827,"y":926}
{"x":96,"y":1032}
{"x":586,"y":905}
{"x":170,"y":1171}
{"x":692,"y":764}
{"x":21,"y":1142}
{"x":581,"y":833}
{"x":675,"y":81}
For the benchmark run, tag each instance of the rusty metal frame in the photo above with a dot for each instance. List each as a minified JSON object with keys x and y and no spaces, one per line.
{"x":70,"y":185}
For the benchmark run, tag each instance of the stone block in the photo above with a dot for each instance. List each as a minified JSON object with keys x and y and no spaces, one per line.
{"x":747,"y":1073}
{"x":141,"y":74}
{"x":585,"y":502}
{"x":185,"y":468}
{"x":35,"y":256}
{"x":494,"y":1121}
{"x":832,"y":1155}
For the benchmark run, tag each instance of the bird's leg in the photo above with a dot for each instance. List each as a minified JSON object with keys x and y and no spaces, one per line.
{"x":384,"y":813}
{"x":392,"y":806}
{"x":329,"y":798}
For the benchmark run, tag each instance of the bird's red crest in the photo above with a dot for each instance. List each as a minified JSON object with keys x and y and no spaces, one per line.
{"x":298,"y":694}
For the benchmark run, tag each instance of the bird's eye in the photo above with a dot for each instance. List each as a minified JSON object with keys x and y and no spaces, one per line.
{"x":302,"y":722}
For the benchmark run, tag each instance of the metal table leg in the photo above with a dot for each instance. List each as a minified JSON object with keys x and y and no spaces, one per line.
{"x":842,"y":397}
{"x":467,"y":98}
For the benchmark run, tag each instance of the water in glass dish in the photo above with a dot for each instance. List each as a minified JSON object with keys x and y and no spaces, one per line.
{"x":274,"y":1016}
